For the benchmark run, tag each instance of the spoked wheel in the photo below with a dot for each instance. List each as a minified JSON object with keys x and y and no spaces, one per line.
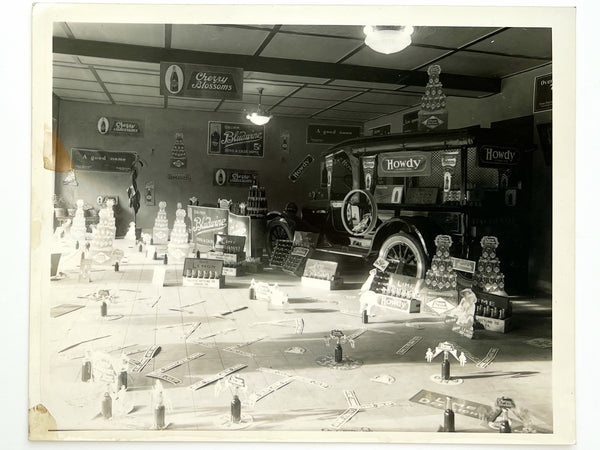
{"x":405,"y":251}
{"x":277,"y":230}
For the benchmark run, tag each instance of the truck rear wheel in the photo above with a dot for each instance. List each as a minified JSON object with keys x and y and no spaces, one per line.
{"x":405,"y":251}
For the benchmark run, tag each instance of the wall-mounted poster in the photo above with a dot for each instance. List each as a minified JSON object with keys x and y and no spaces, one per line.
{"x":101,"y":160}
{"x":206,"y":222}
{"x":235,"y":139}
{"x":542,"y":93}
{"x":119,"y":127}
{"x":200,"y":81}
{"x":330,"y":134}
{"x":404,"y":164}
{"x":234,"y":177}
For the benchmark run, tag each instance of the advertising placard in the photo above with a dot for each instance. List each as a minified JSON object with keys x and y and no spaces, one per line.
{"x":235,"y":177}
{"x":101,"y":160}
{"x":241,"y":226}
{"x":495,"y":156}
{"x":235,"y":139}
{"x":404,"y":164}
{"x":200,"y":81}
{"x":330,"y":134}
{"x":299,"y":170}
{"x":119,"y":127}
{"x":542,"y":95}
{"x":206,"y":222}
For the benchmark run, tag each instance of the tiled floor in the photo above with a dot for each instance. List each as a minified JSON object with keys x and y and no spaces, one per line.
{"x":136,"y":320}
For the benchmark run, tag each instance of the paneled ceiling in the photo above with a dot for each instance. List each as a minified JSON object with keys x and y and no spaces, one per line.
{"x":308,"y":71}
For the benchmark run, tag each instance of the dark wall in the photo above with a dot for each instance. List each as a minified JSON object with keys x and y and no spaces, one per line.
{"x":78,"y":128}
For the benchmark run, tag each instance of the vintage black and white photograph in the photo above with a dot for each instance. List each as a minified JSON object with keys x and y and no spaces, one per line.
{"x":288,"y":227}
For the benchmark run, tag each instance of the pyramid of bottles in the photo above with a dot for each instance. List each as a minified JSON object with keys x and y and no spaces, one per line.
{"x":433,"y":113}
{"x":441,"y":276}
{"x":160,"y":232}
{"x":178,"y":154}
{"x":178,"y":245}
{"x":488,"y":276}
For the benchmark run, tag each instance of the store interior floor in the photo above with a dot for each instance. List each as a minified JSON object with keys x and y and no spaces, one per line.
{"x":141,"y":315}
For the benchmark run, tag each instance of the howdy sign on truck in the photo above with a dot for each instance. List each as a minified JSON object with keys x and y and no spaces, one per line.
{"x":404,"y":164}
{"x":496,"y":156}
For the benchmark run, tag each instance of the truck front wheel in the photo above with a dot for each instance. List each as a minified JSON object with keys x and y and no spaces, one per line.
{"x":405,"y":251}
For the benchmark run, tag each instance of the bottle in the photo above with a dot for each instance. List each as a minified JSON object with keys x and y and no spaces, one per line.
{"x":504,"y":425}
{"x":116,"y":267}
{"x":338,"y":353}
{"x":365,"y":316}
{"x":236,"y":409}
{"x":166,"y":260}
{"x":159,"y":413}
{"x":445,"y":368}
{"x":103,"y":309}
{"x":252,"y":293}
{"x":107,"y":406}
{"x":174,"y":81}
{"x":215,"y":137}
{"x":448,"y":416}
{"x":122,"y":380}
{"x":86,"y":369}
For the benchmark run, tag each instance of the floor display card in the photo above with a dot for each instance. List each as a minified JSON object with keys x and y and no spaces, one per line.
{"x":178,"y":247}
{"x":321,"y":274}
{"x":203,"y":273}
{"x":493,"y":312}
{"x":305,"y":239}
{"x":488,"y":276}
{"x":296,"y":260}
{"x":271,"y":293}
{"x":160,"y":232}
{"x":230,"y":250}
{"x":282,"y":249}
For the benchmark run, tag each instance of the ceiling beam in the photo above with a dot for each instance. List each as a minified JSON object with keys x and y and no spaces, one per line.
{"x":278,"y":66}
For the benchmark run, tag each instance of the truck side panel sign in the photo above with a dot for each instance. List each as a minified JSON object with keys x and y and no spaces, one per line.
{"x":496,"y":156}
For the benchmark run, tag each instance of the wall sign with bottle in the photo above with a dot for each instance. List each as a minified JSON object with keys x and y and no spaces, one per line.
{"x":235,"y":139}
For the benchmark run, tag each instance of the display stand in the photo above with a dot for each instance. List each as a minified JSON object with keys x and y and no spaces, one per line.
{"x":203,"y":273}
{"x":494,"y":313}
{"x":229,"y":249}
{"x":282,"y":250}
{"x":160,"y":231}
{"x":321,"y":275}
{"x":296,"y":260}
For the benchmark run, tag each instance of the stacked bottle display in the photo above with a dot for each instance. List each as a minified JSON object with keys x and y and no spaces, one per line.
{"x":441,"y":276}
{"x":257,"y":202}
{"x":488,"y":276}
{"x":487,"y":308}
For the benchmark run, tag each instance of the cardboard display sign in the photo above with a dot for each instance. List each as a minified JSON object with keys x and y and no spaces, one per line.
{"x":119,"y":127}
{"x":229,"y":244}
{"x":320,"y":270}
{"x":299,"y":170}
{"x":388,"y":194}
{"x":330,"y":134}
{"x":206,"y":223}
{"x":235,"y":177}
{"x":495,"y":156}
{"x":202,"y":265}
{"x":241,"y":226}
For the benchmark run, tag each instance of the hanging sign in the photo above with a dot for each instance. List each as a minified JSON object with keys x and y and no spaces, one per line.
{"x":542,"y":95}
{"x":404,"y":164}
{"x":495,"y":156}
{"x":235,"y":139}
{"x":101,"y":160}
{"x":383,"y":130}
{"x":235,"y":177}
{"x":298,"y":171}
{"x":330,"y":134}
{"x":410,"y":122}
{"x":119,"y":127}
{"x":200,"y":81}
{"x":206,"y":223}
